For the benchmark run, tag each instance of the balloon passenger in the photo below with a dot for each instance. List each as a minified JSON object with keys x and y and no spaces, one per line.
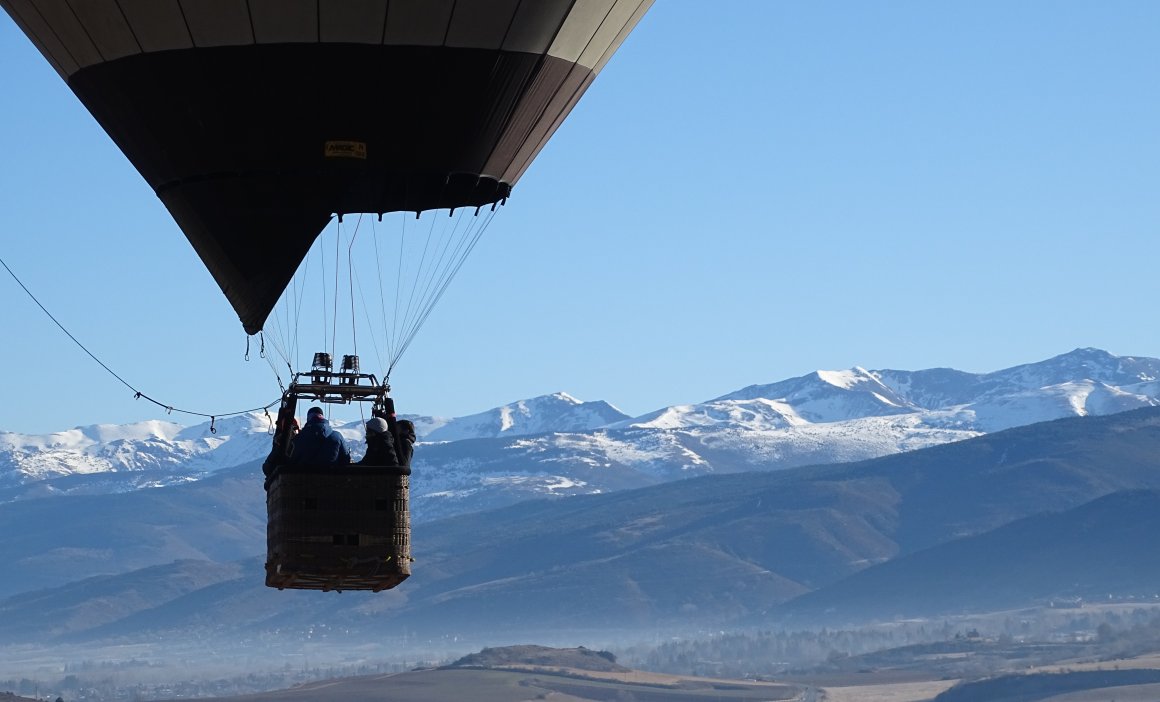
{"x":317,"y":443}
{"x":380,"y":445}
{"x":404,"y":441}
{"x":283,"y":440}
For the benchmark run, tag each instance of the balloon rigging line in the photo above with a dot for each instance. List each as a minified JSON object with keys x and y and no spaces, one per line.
{"x":446,"y":282}
{"x":293,"y":307}
{"x":444,"y":251}
{"x":350,"y":281}
{"x":322,"y":277}
{"x":170,"y":409}
{"x":398,"y":283}
{"x":382,"y":297}
{"x":280,"y":318}
{"x":337,"y":273}
{"x":416,"y":313}
{"x":300,"y":291}
{"x":418,"y":269}
{"x":281,"y":323}
{"x":277,"y":375}
{"x":462,"y":258}
{"x":370,"y":323}
{"x":436,"y":272}
{"x":434,"y":276}
{"x":430,"y":273}
{"x":457,"y":257}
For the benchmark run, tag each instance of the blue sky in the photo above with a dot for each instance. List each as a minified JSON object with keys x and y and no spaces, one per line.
{"x":751,"y":190}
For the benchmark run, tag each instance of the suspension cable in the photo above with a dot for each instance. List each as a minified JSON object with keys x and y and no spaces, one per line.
{"x":367,"y":314}
{"x":137,"y":394}
{"x":382,"y":297}
{"x":428,"y":261}
{"x":442,"y":289}
{"x":426,"y":280}
{"x":436,"y":271}
{"x":418,"y":269}
{"x":350,"y":282}
{"x":325,"y":322}
{"x":301,"y":296}
{"x":398,"y":283}
{"x":337,"y":274}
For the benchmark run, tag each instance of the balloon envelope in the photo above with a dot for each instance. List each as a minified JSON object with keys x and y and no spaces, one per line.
{"x":257,"y":120}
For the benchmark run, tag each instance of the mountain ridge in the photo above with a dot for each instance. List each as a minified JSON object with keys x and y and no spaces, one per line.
{"x":557,"y":445}
{"x":680,"y":554}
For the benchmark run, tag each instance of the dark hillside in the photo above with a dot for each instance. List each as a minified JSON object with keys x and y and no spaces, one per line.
{"x":1104,"y":546}
{"x":529,"y":655}
{"x":447,"y":684}
{"x":49,"y":542}
{"x":1039,"y":686}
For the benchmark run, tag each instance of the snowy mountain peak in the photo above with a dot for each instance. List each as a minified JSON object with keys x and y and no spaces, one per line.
{"x":558,"y":412}
{"x":1101,"y":365}
{"x":942,"y":388}
{"x":1081,"y":382}
{"x":829,"y":396}
{"x":846,"y":379}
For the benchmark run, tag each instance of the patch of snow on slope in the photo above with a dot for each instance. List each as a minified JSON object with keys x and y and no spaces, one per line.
{"x":831,"y":442}
{"x":845,"y":379}
{"x":758,"y":414}
{"x":658,"y":455}
{"x":1053,"y":402}
{"x":506,"y":421}
{"x":1105,"y":399}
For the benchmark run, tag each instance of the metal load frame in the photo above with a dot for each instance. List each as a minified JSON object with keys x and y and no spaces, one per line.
{"x":324,"y":384}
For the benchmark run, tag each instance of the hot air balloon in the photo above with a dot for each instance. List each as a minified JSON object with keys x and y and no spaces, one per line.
{"x":239,"y":114}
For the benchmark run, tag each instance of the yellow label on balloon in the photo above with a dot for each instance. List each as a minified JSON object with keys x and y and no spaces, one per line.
{"x":346,"y":149}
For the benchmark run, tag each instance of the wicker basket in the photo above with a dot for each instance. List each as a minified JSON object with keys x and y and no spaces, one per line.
{"x":338,"y":528}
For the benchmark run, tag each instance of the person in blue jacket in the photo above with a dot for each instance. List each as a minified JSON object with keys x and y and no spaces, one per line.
{"x":317,"y":443}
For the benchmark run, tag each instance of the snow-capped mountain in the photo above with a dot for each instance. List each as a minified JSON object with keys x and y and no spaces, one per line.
{"x":558,"y":445}
{"x":547,"y":413}
{"x":110,"y":458}
{"x":941,"y":388}
{"x":830,"y":396}
{"x":1079,"y":383}
{"x":113,"y":458}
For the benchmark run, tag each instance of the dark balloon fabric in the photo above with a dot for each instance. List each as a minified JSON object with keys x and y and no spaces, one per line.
{"x":255,"y":121}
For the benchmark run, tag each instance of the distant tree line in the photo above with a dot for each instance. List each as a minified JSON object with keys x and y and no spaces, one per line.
{"x":104,"y":686}
{"x":1099,"y":634}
